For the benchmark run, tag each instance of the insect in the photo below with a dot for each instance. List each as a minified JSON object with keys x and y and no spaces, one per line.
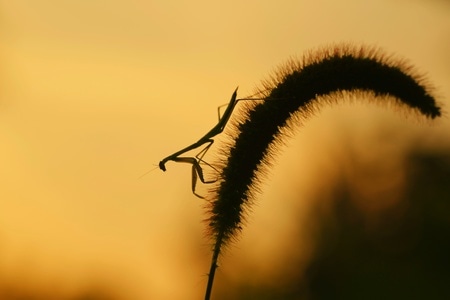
{"x":197,"y":171}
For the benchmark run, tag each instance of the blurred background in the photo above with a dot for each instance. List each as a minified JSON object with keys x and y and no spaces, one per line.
{"x":94,"y":93}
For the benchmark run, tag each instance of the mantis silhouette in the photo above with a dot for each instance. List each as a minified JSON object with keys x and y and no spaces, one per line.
{"x":197,"y":170}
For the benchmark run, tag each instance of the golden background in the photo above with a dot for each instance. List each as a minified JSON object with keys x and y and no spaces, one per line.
{"x":94,"y":93}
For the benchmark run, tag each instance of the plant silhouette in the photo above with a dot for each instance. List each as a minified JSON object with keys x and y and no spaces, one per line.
{"x":297,"y":90}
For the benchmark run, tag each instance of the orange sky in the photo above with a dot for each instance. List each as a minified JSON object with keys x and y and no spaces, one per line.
{"x":92,"y":93}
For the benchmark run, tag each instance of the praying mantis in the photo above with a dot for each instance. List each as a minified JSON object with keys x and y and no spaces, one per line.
{"x":197,"y":170}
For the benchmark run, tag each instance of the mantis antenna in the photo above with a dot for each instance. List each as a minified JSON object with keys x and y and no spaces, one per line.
{"x":197,"y":171}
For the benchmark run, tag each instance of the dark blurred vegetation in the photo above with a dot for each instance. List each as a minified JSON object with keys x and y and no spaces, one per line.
{"x":402,"y":254}
{"x":398,"y":250}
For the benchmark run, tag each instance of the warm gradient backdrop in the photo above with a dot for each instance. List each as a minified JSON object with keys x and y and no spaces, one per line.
{"x":94,"y":93}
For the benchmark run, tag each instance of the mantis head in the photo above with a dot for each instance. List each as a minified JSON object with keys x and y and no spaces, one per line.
{"x":162,"y":165}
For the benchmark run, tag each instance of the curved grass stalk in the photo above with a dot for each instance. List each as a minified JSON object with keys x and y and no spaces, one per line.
{"x":295,"y":92}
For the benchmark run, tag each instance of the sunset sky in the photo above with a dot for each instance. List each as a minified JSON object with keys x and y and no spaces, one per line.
{"x":94,"y":93}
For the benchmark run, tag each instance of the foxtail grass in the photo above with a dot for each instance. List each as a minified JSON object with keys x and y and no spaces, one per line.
{"x":294,"y":92}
